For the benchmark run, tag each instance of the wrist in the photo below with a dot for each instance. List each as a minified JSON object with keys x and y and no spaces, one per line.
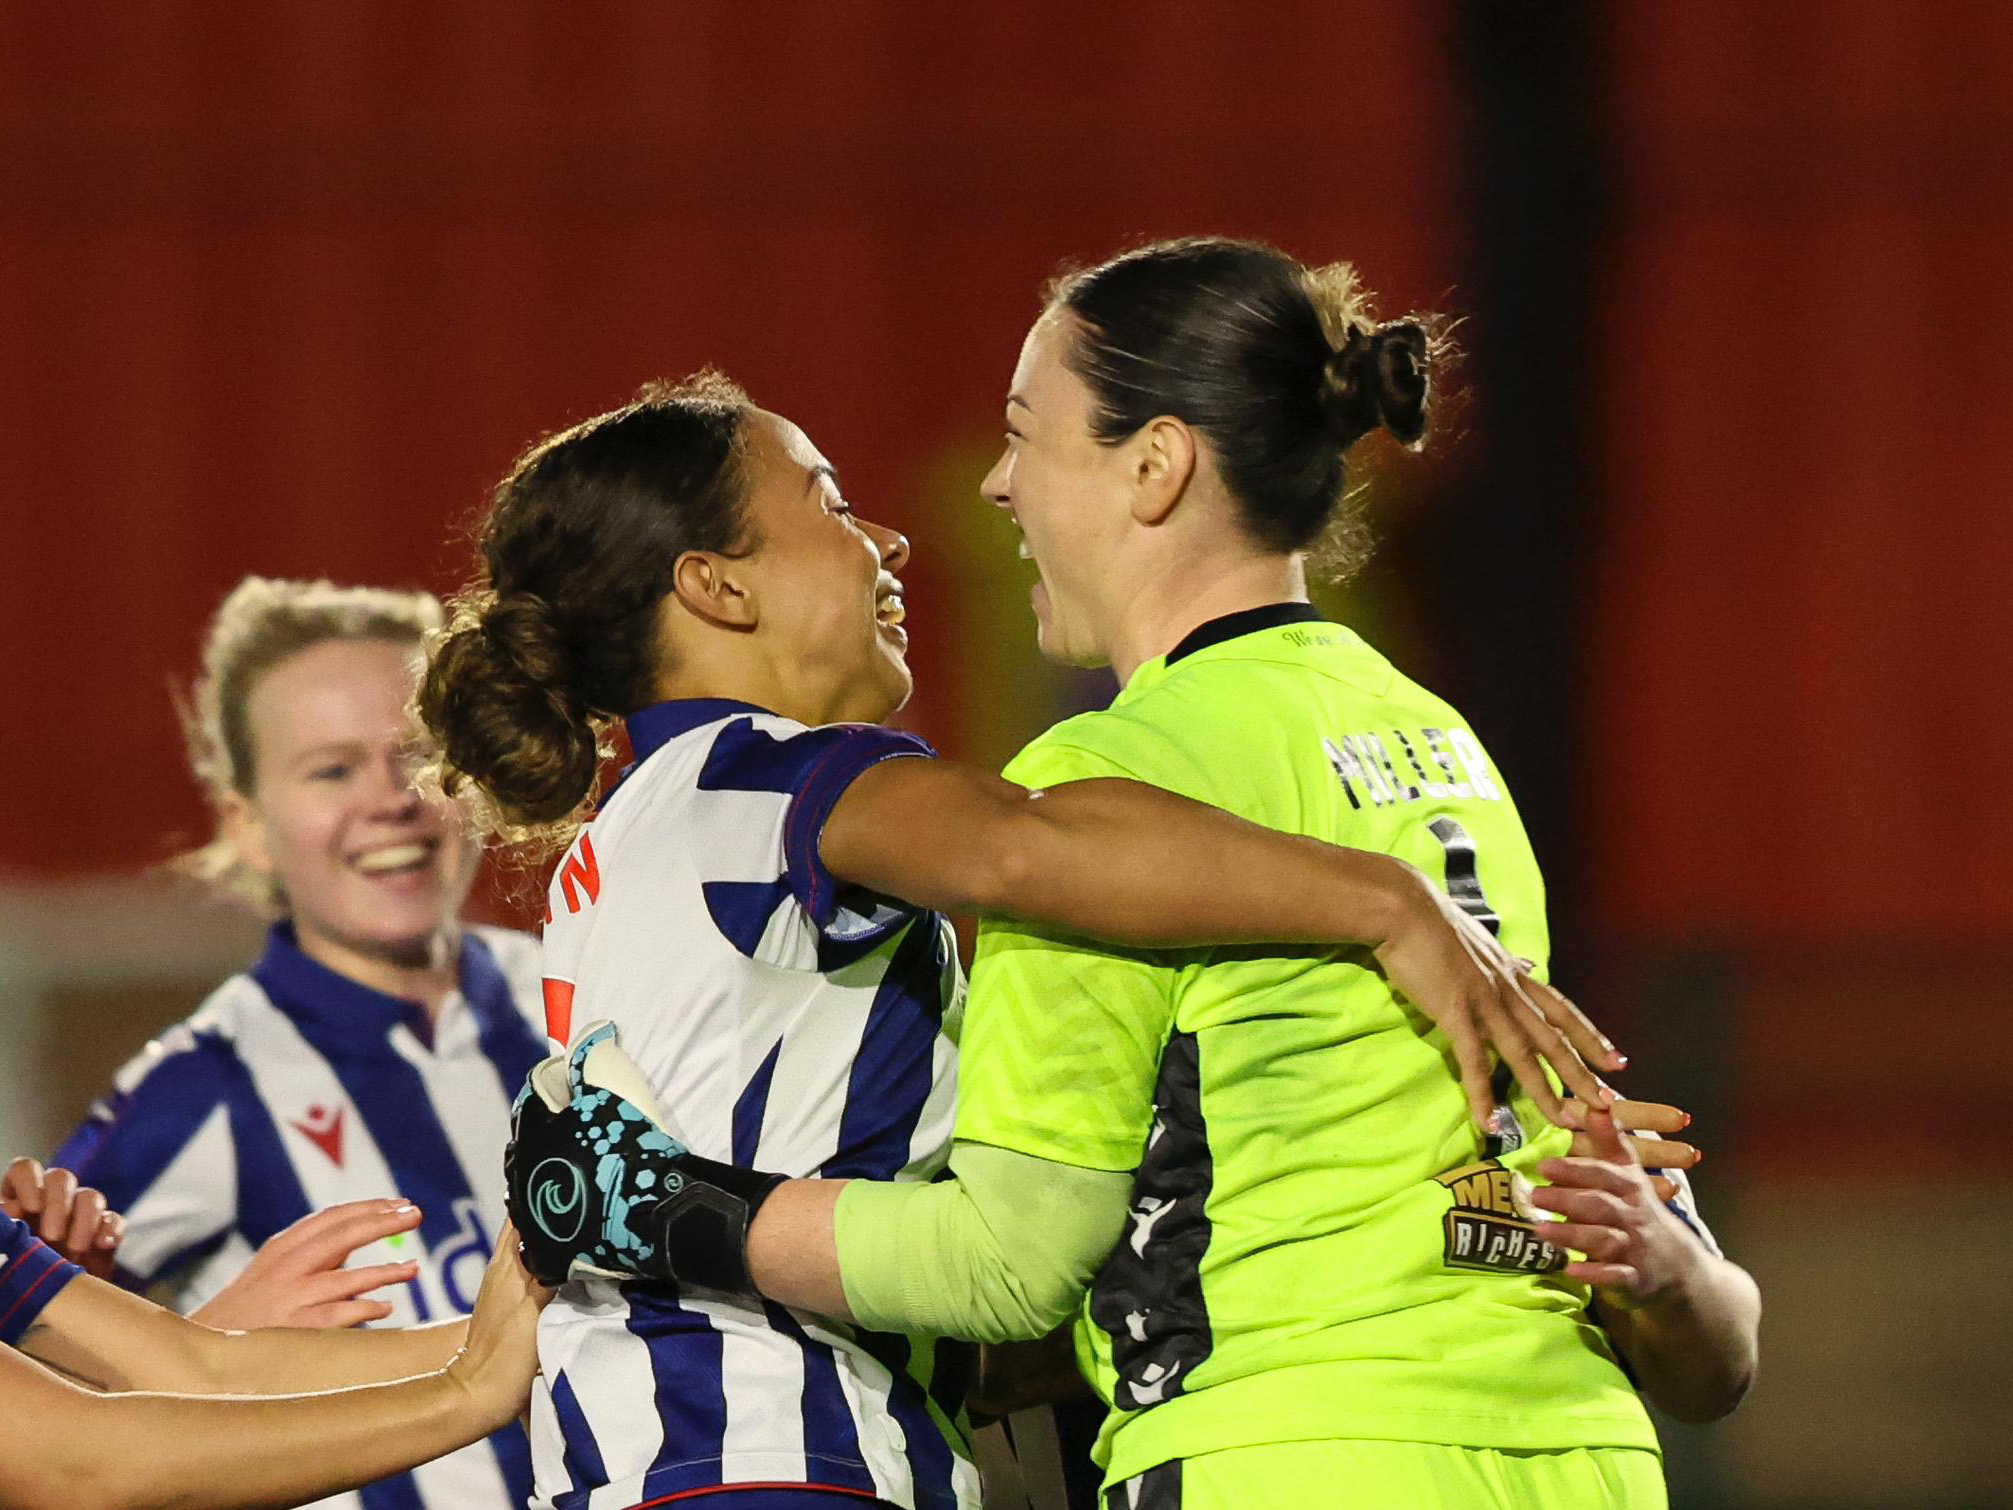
{"x":1400,"y":897}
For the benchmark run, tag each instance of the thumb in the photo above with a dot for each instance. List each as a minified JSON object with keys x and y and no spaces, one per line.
{"x":1610,"y":1147}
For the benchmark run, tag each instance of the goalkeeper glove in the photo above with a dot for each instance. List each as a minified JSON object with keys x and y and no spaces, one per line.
{"x":597,"y":1184}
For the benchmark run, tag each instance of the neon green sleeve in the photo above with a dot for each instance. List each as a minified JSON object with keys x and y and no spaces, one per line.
{"x":1001,"y":1252}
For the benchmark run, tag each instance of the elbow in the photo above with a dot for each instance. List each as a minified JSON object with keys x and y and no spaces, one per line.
{"x":1704,"y":1401}
{"x":1008,"y":869}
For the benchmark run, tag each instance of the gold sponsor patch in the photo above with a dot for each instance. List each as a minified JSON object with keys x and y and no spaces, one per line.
{"x":1489,"y":1227}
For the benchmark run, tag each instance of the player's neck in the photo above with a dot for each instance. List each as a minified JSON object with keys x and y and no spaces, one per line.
{"x":1170,"y":604}
{"x":427,"y":973}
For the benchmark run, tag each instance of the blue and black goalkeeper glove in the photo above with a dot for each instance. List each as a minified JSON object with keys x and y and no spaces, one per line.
{"x":597,"y":1184}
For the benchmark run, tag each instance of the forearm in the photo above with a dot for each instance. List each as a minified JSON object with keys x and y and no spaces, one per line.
{"x":104,"y":1336}
{"x":295,"y":1361}
{"x":1002,"y":1252}
{"x":1109,"y":859}
{"x":1695,"y":1349}
{"x":167,"y":1451}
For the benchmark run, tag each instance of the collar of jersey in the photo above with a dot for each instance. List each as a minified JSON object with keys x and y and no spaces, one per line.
{"x":652,"y":728}
{"x":1219,"y":631}
{"x":336,"y":1007}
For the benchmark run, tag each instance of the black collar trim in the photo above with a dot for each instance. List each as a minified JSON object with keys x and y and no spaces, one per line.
{"x":1246,"y":621}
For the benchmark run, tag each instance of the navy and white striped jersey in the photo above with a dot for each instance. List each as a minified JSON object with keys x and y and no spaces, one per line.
{"x":294,"y":1088}
{"x":31,"y":1275}
{"x":791,"y":1024}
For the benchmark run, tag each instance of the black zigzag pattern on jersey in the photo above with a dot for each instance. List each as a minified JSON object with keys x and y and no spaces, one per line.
{"x":1148,"y":1296}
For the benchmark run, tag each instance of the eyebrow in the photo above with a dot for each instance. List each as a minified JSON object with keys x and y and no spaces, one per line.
{"x":823,"y":469}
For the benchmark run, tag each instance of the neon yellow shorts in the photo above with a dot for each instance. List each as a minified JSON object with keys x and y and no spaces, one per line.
{"x":1340,"y":1475}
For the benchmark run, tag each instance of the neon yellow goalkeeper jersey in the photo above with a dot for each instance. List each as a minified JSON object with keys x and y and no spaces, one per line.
{"x":1321,"y":1244}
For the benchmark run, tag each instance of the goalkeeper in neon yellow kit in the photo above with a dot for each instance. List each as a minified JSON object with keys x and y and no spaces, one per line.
{"x":1311,"y":1280}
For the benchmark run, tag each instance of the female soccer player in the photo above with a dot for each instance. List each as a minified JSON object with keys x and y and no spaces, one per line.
{"x":1328,"y":1286}
{"x":373,"y":1048}
{"x":346,"y":1408}
{"x":751,"y":906}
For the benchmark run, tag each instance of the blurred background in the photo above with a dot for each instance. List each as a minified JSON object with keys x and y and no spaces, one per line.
{"x":1716,"y":559}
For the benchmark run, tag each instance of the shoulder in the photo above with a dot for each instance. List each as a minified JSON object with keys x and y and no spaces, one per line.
{"x":199,"y":1055}
{"x":1132,"y":741}
{"x":765,"y":753}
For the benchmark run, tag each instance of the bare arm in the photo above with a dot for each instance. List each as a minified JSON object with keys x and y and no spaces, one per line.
{"x":1687,"y":1320}
{"x":1694,"y":1349}
{"x":169,"y":1451}
{"x":1128,"y":863}
{"x":172,"y":1452}
{"x":102,"y":1335}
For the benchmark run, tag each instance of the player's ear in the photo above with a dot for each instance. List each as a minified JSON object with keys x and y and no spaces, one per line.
{"x":714,"y":588}
{"x":245,"y":831}
{"x":1162,"y":462}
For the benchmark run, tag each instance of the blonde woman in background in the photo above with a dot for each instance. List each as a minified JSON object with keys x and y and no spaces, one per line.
{"x":371,"y":1050}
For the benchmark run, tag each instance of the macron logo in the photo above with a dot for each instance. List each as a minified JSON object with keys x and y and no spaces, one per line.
{"x":322,"y":1126}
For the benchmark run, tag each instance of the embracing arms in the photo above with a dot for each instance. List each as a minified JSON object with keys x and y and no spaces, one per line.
{"x":1131,"y":864}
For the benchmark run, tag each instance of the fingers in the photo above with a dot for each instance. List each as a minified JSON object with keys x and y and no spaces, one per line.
{"x":1601,"y":1207}
{"x":87,"y":1217}
{"x":1609,"y":1144}
{"x":1605,"y":1276}
{"x":1649,"y":1116}
{"x":342,"y":1313}
{"x":1589,"y":1174}
{"x":1651,"y":1153}
{"x":1600,"y":1244}
{"x":1656,"y":1153}
{"x":348,"y":1284}
{"x":1473,"y":1061}
{"x":59,"y":1189}
{"x":326,"y":1239}
{"x":21,"y":1189}
{"x":1588,"y":1041}
{"x":1573,"y":1070}
{"x":1665,"y":1187}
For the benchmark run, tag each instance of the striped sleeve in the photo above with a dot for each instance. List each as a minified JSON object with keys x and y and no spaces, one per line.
{"x":160,"y":1148}
{"x":31,"y":1275}
{"x":801,"y":776}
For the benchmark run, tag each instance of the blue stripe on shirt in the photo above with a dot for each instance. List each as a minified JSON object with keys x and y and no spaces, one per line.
{"x":582,"y":1458}
{"x":131,"y":1137}
{"x":892,"y":1071}
{"x":831,"y":1439}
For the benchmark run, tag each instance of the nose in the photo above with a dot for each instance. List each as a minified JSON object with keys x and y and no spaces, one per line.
{"x":892,"y":544}
{"x":994,"y":487}
{"x":394,"y":792}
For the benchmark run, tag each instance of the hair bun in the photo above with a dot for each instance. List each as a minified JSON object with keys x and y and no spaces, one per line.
{"x":1378,"y":379}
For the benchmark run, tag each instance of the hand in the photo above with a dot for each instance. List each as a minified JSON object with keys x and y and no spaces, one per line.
{"x":498,"y":1361}
{"x":1636,"y":1250}
{"x":70,"y":1218}
{"x":297,"y":1280}
{"x":1641,"y":1121}
{"x":1452,"y":969}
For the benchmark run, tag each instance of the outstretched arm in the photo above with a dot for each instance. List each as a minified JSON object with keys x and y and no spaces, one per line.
{"x":1131,"y":864}
{"x":105,"y":1336}
{"x":168,"y":1452}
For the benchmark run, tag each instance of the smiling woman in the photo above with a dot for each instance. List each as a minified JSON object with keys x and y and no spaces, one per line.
{"x":373,"y":1048}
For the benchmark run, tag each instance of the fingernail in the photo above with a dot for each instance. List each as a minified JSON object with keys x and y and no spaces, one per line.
{"x":1686,"y":1123}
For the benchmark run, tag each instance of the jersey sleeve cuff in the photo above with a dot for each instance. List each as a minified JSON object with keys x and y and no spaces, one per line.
{"x":30,"y":1279}
{"x":816,"y":888}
